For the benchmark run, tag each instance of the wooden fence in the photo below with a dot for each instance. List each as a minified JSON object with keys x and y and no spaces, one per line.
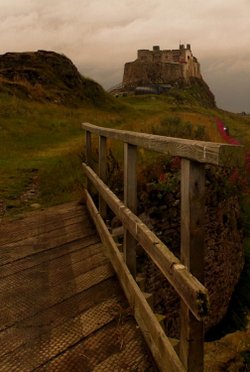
{"x":185,"y":275}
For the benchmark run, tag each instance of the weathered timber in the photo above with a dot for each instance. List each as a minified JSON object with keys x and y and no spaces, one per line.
{"x":56,"y":303}
{"x":186,"y":276}
{"x":192,"y":256}
{"x":131,"y":354}
{"x":88,"y":152}
{"x":193,"y":293}
{"x":130,"y":200}
{"x":117,"y":232}
{"x":32,"y":246}
{"x":60,"y":313}
{"x":102,"y":172}
{"x":200,"y":151}
{"x":27,"y":229}
{"x":140,"y":280}
{"x":88,"y":149}
{"x":161,"y":348}
{"x":46,"y":256}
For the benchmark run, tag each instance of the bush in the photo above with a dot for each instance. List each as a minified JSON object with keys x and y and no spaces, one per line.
{"x":176,"y":127}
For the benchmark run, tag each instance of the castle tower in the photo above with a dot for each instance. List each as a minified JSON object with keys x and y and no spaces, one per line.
{"x":157,"y":67}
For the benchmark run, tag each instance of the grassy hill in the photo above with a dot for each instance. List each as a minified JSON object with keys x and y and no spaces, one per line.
{"x":43,"y":100}
{"x":48,"y":77}
{"x":42,"y":142}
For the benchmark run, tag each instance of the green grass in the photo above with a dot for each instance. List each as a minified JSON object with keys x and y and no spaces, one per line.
{"x":48,"y":138}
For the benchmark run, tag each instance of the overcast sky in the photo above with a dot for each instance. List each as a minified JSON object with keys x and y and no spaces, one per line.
{"x":99,"y":36}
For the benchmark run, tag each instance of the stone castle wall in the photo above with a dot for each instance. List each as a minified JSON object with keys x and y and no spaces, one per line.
{"x":161,"y":67}
{"x":138,"y":73}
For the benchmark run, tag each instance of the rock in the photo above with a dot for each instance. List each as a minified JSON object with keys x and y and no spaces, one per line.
{"x":35,"y":205}
{"x":48,"y":76}
{"x":224,"y":259}
{"x":227,"y":354}
{"x":224,"y":254}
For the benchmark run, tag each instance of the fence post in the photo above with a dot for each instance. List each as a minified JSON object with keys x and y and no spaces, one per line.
{"x":102,"y":172}
{"x":191,"y":350}
{"x":88,"y":153}
{"x":130,"y":200}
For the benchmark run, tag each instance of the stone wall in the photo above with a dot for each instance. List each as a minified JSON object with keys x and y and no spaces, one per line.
{"x":161,"y":67}
{"x":224,"y":255}
{"x":138,"y":73}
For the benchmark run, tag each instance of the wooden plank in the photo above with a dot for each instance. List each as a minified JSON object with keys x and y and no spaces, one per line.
{"x":88,"y":152}
{"x":68,"y":207}
{"x":193,"y":293}
{"x":102,"y":172}
{"x":18,"y":232}
{"x":50,"y":344}
{"x":32,"y":247}
{"x":204,"y":152}
{"x":81,"y":247}
{"x":117,"y":232}
{"x":149,"y":297}
{"x":49,"y":255}
{"x":88,"y":147}
{"x":51,"y":232}
{"x":130,"y":177}
{"x":107,"y":341}
{"x":64,"y":269}
{"x":161,"y":348}
{"x":130,"y":200}
{"x":27,"y":225}
{"x":132,"y":356}
{"x":23,"y":304}
{"x":141,"y":281}
{"x":32,"y":328}
{"x":192,"y":255}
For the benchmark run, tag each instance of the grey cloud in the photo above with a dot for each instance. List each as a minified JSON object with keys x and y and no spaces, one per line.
{"x":100,"y":35}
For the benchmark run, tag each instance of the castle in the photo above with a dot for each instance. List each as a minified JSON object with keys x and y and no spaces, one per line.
{"x":158,"y":66}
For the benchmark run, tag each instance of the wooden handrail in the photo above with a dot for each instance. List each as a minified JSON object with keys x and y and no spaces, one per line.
{"x":200,"y":151}
{"x":187,"y":286}
{"x":158,"y":342}
{"x":185,"y":275}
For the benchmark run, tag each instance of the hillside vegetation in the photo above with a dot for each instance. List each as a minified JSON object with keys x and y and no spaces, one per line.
{"x":44,"y":99}
{"x":48,"y":77}
{"x":41,"y":137}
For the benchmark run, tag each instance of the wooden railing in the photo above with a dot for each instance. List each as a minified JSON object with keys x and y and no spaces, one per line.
{"x":185,"y":275}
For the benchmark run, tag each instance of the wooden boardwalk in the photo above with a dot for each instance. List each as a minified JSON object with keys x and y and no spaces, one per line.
{"x":61,"y":305}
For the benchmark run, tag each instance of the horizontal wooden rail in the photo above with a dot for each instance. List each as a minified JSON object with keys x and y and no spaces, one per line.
{"x":200,"y":151}
{"x":193,"y":293}
{"x":161,"y":348}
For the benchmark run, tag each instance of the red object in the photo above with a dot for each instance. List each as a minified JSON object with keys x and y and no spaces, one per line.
{"x":235,"y":176}
{"x":223,"y":132}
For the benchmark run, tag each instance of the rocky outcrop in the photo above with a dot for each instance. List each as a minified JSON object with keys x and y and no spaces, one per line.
{"x":158,"y":71}
{"x":230,"y":353}
{"x":47,"y":76}
{"x":224,"y":256}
